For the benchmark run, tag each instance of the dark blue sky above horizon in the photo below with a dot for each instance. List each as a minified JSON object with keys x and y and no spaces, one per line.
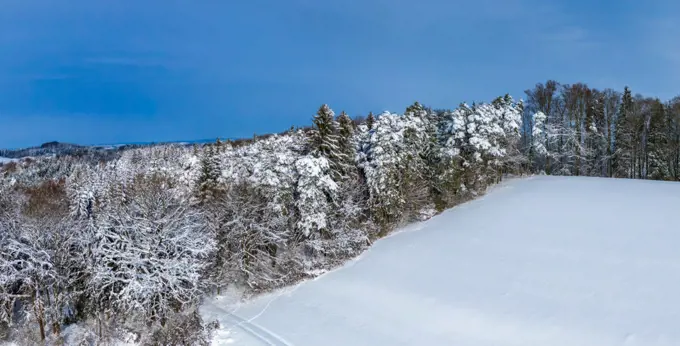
{"x":98,"y":72}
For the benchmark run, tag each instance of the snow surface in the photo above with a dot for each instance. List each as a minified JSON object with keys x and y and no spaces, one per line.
{"x":5,"y":160}
{"x":539,"y":261}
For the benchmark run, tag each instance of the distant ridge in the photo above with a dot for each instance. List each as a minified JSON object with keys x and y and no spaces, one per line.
{"x":59,"y":148}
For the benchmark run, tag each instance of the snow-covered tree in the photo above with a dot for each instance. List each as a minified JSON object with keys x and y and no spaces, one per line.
{"x":370,"y":121}
{"x":149,"y":253}
{"x":391,"y":160}
{"x":251,"y":235}
{"x":325,"y":141}
{"x":625,"y":137}
{"x":209,"y":181}
{"x":416,"y":110}
{"x":347,"y":145}
{"x":315,"y":195}
{"x":539,"y":139}
{"x":659,"y":150}
{"x":511,"y":123}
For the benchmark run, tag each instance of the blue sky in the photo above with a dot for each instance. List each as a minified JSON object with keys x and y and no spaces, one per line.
{"x":105,"y":71}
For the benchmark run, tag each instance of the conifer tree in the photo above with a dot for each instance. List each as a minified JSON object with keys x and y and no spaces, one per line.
{"x":219,"y":145}
{"x":324,"y":141}
{"x":658,"y":143}
{"x":370,"y":121}
{"x":346,"y":132}
{"x":622,"y":160}
{"x":416,"y":110}
{"x":208,"y":181}
{"x":539,"y":140}
{"x":673,"y":115}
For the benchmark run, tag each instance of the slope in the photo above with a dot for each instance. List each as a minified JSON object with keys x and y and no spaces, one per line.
{"x":539,"y":261}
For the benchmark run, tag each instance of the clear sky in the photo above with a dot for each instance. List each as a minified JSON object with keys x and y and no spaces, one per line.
{"x":112,"y":71}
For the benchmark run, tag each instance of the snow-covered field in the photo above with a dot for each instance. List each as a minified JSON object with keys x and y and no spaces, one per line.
{"x":539,"y":261}
{"x":5,"y":160}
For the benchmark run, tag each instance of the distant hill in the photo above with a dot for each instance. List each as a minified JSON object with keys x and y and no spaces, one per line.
{"x":55,"y":148}
{"x":50,"y":148}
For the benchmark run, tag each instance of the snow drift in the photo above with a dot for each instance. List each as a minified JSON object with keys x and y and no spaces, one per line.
{"x":540,"y":261}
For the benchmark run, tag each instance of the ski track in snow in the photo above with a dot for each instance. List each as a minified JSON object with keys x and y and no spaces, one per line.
{"x":541,"y":261}
{"x":232,"y":322}
{"x":229,"y":322}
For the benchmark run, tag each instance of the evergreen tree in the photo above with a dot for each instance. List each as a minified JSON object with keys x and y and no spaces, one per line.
{"x":219,"y":146}
{"x":325,"y":141}
{"x":370,"y":121}
{"x":416,"y":110}
{"x":510,"y":120}
{"x":208,"y":181}
{"x":539,"y":140}
{"x":346,"y":143}
{"x":673,"y":115}
{"x":346,"y":131}
{"x":658,"y":148}
{"x":456,"y":148}
{"x":623,"y":156}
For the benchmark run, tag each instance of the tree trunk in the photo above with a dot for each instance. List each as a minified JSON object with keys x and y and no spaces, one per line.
{"x":40,"y":317}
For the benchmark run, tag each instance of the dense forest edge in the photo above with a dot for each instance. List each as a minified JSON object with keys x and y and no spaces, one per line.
{"x":99,"y":245}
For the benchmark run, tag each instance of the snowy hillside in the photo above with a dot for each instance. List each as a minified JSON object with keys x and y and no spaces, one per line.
{"x":539,"y":261}
{"x":5,"y":160}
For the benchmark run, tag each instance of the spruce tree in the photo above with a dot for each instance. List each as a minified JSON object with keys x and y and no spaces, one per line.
{"x":621,"y":161}
{"x":325,"y":142}
{"x":370,"y":121}
{"x":208,"y":181}
{"x":346,"y":131}
{"x":658,"y":143}
{"x":416,"y":110}
{"x":345,"y":125}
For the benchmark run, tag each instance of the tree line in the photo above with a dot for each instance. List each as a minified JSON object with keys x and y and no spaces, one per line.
{"x":126,"y":248}
{"x":577,"y":130}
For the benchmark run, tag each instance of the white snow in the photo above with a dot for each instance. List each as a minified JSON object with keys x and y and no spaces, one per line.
{"x":5,"y":160}
{"x":540,"y":261}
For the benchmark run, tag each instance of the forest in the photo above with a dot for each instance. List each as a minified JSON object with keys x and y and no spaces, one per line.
{"x":124,"y":245}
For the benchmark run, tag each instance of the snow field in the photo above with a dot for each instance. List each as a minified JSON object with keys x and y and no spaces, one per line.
{"x":539,"y":261}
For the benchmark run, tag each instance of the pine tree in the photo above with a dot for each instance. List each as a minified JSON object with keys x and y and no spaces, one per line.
{"x":622,"y":160}
{"x":658,"y":143}
{"x":416,"y":110}
{"x":346,"y":132}
{"x":208,"y":181}
{"x":325,"y":142}
{"x":673,"y":114}
{"x":370,"y":121}
{"x":219,"y":145}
